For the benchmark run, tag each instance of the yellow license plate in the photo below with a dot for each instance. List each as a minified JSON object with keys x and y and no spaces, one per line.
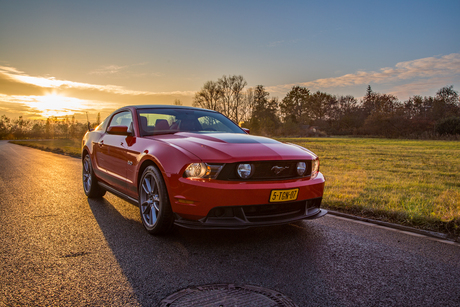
{"x":283,"y":195}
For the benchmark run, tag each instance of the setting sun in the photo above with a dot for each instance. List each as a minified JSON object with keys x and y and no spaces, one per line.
{"x":56,"y":105}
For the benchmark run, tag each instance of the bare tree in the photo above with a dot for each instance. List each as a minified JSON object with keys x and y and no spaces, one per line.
{"x":232,"y":97}
{"x":247,"y":108}
{"x":208,"y":97}
{"x":226,"y":96}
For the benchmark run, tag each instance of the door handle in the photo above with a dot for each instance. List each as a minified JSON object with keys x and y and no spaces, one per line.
{"x":101,"y":143}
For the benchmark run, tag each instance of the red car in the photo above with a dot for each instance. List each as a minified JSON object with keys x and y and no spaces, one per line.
{"x":195,"y":168}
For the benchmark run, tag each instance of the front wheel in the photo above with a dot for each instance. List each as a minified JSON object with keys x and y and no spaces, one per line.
{"x":90,"y":185}
{"x":155,"y":209}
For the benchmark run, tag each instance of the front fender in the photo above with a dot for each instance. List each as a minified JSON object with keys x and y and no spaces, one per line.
{"x":169,"y":158}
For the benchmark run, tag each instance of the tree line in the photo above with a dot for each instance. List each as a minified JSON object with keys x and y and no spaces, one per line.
{"x":303,"y":112}
{"x":51,"y":128}
{"x":300,"y":112}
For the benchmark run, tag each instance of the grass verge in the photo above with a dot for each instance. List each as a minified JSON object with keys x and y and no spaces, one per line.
{"x":70,"y":147}
{"x":409,"y":182}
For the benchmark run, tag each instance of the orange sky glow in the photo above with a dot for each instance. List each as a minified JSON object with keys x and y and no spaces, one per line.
{"x":93,"y":57}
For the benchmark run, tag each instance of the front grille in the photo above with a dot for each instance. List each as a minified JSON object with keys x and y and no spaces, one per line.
{"x":265,"y":170}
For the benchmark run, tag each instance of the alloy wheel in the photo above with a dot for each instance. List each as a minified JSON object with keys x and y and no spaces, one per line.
{"x":150,"y":200}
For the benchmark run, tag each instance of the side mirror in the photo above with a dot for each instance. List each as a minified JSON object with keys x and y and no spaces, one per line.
{"x":246,"y":130}
{"x":119,"y":130}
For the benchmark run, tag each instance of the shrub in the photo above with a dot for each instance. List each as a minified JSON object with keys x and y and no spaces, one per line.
{"x":449,"y":125}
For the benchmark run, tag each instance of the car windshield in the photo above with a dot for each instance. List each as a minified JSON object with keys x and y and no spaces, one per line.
{"x":164,"y":121}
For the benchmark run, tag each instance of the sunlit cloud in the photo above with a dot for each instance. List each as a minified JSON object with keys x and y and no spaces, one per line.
{"x":49,"y":105}
{"x":420,"y":87}
{"x":111,"y":69}
{"x":36,"y":96}
{"x":11,"y":70}
{"x":53,"y":83}
{"x":446,"y":67}
{"x":123,"y":71}
{"x":55,"y":105}
{"x":39,"y":96}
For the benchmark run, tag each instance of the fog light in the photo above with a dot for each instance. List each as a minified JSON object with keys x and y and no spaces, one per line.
{"x":301,"y":167}
{"x":245,"y":170}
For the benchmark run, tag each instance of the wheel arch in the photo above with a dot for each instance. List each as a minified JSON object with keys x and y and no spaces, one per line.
{"x":84,"y":152}
{"x":146,"y":163}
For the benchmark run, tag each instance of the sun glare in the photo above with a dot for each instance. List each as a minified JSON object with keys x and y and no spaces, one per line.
{"x":55,"y":105}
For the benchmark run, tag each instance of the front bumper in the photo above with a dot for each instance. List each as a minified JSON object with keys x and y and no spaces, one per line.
{"x":196,"y":199}
{"x":241,"y":217}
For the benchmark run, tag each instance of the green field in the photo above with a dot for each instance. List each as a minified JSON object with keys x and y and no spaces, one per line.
{"x":415,"y":183}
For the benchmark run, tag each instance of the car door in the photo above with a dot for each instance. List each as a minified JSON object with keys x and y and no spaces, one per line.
{"x":111,"y":152}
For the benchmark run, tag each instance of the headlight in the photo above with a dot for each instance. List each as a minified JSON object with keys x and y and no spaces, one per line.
{"x":202,"y":170}
{"x":245,"y":170}
{"x":314,"y":168}
{"x":196,"y":170}
{"x":301,"y":167}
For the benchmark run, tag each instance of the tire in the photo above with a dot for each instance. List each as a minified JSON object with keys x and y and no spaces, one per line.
{"x":90,"y":185}
{"x":154,"y":206}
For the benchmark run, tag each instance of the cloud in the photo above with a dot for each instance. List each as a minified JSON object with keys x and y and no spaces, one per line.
{"x":10,"y":86}
{"x":34,"y":96}
{"x":425,"y":68}
{"x":15,"y":76}
{"x":123,"y":71}
{"x":421,"y":87}
{"x":32,"y":107}
{"x":9,"y":105}
{"x":111,"y":69}
{"x":11,"y":70}
{"x":43,"y":105}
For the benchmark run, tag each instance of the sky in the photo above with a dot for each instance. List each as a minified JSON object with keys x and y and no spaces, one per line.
{"x":61,"y":58}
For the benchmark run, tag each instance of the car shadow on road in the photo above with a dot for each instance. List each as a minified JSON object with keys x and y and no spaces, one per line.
{"x":283,"y":258}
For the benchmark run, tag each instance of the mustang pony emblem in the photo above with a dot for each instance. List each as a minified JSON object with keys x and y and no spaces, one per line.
{"x":278,"y":169}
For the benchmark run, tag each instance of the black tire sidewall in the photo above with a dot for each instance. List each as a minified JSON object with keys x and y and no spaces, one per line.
{"x":165,"y":216}
{"x":95,"y":191}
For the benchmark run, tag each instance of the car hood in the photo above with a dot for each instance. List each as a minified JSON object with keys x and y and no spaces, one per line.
{"x":235,"y":147}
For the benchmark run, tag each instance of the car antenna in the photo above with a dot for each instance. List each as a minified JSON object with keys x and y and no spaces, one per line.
{"x":89,"y":125}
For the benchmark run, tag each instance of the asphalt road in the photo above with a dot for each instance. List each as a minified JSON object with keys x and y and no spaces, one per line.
{"x":59,"y":248}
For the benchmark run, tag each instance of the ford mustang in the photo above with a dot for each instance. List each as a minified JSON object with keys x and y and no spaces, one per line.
{"x":197,"y":169}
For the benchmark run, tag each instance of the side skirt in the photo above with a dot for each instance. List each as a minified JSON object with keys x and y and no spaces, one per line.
{"x":119,"y":194}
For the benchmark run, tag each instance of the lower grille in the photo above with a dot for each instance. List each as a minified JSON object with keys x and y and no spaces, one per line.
{"x":241,"y":217}
{"x":264,"y":212}
{"x":267,"y":212}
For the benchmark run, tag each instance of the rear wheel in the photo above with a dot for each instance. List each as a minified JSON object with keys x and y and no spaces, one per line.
{"x":90,"y":185}
{"x":155,"y":209}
